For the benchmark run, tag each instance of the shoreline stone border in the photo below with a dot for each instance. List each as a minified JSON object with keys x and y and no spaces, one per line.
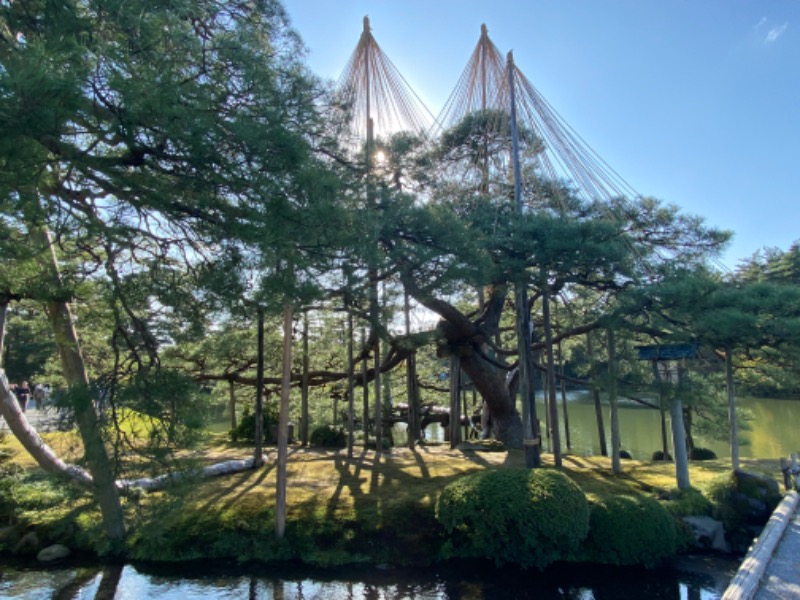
{"x":744,"y":584}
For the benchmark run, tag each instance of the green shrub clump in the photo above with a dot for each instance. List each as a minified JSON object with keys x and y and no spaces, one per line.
{"x":328,"y":436}
{"x":521,"y":516}
{"x":744,"y":503}
{"x":629,"y":530}
{"x":246,"y":428}
{"x":688,"y":503}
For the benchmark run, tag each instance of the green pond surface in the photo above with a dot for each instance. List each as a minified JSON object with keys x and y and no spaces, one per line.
{"x":773,"y":429}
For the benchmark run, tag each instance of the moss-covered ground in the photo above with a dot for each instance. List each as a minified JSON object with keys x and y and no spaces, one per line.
{"x":371,"y":507}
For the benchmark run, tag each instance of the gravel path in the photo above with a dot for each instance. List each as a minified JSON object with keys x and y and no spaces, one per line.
{"x":782,"y":578}
{"x":42,"y":420}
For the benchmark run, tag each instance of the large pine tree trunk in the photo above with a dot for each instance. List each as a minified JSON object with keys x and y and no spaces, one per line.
{"x":490,"y":381}
{"x":463,"y":336}
{"x":77,"y":378}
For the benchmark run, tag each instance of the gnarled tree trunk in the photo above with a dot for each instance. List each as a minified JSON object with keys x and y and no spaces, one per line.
{"x":75,"y":374}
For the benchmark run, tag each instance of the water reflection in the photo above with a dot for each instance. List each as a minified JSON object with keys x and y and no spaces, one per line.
{"x":464,"y":582}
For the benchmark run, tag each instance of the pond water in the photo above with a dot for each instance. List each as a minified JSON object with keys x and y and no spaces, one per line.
{"x":706,"y":580}
{"x":773,"y":431}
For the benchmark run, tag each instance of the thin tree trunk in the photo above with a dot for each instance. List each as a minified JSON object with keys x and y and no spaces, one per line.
{"x":411,"y":379}
{"x":598,"y":407}
{"x":455,"y":402}
{"x":232,"y":402}
{"x":551,"y":375}
{"x":734,"y":436}
{"x":664,"y":440}
{"x":351,"y":410}
{"x":616,"y":467}
{"x":465,"y":413}
{"x":566,"y":413}
{"x":283,"y":424}
{"x":304,"y":417}
{"x":563,"y":388}
{"x":259,"y":410}
{"x":688,"y":420}
{"x":376,"y":402}
{"x":74,"y":370}
{"x":3,"y":317}
{"x":365,"y":389}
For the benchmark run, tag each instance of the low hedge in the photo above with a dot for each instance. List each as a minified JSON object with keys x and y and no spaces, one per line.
{"x":521,"y":516}
{"x":328,"y":436}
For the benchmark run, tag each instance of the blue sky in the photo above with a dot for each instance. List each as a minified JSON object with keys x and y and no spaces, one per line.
{"x":694,"y":102}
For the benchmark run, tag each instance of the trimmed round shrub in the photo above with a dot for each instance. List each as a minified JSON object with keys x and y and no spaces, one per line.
{"x":702,"y":454}
{"x":630,"y":530}
{"x":521,"y":516}
{"x":658,"y":455}
{"x":328,"y":436}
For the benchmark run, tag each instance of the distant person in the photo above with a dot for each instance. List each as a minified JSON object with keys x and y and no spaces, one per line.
{"x":23,"y":393}
{"x":40,"y":396}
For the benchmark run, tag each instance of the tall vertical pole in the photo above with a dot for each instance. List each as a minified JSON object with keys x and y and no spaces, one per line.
{"x":484,"y":189}
{"x":372,"y":272}
{"x":530,"y":424}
